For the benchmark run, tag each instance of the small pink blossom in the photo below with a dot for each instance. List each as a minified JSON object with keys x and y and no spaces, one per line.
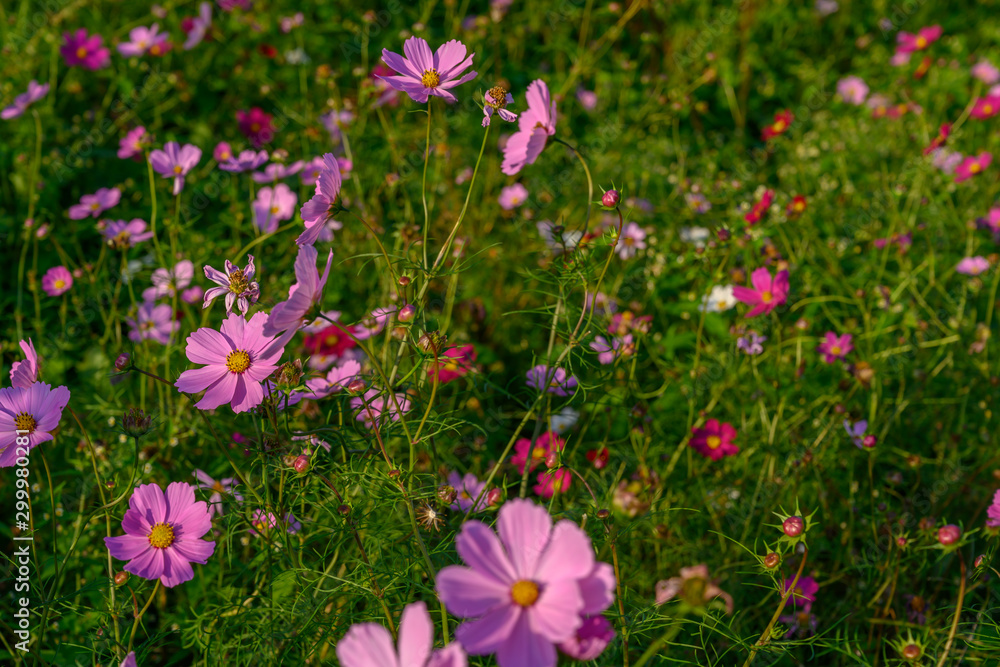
{"x":82,"y":50}
{"x":95,"y":204}
{"x":57,"y":281}
{"x":767,"y":294}
{"x":834,"y":347}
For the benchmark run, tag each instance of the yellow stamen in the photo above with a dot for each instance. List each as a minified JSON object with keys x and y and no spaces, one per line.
{"x":431,"y":78}
{"x":524,"y":593}
{"x":713,"y":442}
{"x":24,"y":422}
{"x":162,"y":535}
{"x":238,"y":361}
{"x":766,"y":297}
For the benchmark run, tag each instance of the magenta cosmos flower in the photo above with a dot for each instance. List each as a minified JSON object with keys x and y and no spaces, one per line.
{"x":133,"y":143}
{"x":590,"y":640}
{"x":767,"y":293}
{"x":714,"y":440}
{"x":551,"y":482}
{"x":25,"y":373}
{"x":122,"y":235}
{"x":546,"y":443}
{"x":237,"y":360}
{"x":513,"y":196}
{"x":82,"y":50}
{"x":273,"y":205}
{"x":36,"y":409}
{"x":370,"y":645}
{"x":142,"y":40}
{"x":175,"y":161}
{"x":303,"y":297}
{"x":245,"y":161}
{"x":57,"y":281}
{"x":971,"y":166}
{"x":163,"y":534}
{"x":197,"y":26}
{"x":555,"y":381}
{"x":218,"y":488}
{"x":835,"y":347}
{"x":236,"y":283}
{"x":95,"y":204}
{"x":986,"y":107}
{"x":256,"y":126}
{"x":527,"y":590}
{"x":323,"y":206}
{"x":805,"y":590}
{"x":153,"y":322}
{"x":973,"y":266}
{"x":535,"y":126}
{"x":993,"y":513}
{"x":422,"y":73}
{"x":21,"y":103}
{"x":908,"y":42}
{"x":453,"y":363}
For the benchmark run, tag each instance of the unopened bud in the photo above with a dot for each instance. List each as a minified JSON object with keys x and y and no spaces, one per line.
{"x":447,"y":494}
{"x":431,"y":342}
{"x":344,"y":510}
{"x":552,"y":460}
{"x":901,"y":542}
{"x":723,"y":234}
{"x":772,"y":560}
{"x":610,"y":199}
{"x":911,"y":652}
{"x":356,"y":386}
{"x":793,"y":526}
{"x":494,"y":497}
{"x":301,"y":464}
{"x":869,"y":441}
{"x":603,"y":514}
{"x":979,"y":560}
{"x":121,"y":578}
{"x":136,"y":423}
{"x":289,"y":375}
{"x":395,"y":473}
{"x":948,"y":535}
{"x":121,"y":363}
{"x":407,"y":313}
{"x":404,"y":281}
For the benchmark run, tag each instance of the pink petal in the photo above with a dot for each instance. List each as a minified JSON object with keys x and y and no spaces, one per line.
{"x":467,"y":593}
{"x":569,"y":554}
{"x":526,"y":648}
{"x":207,"y":346}
{"x":597,"y":590}
{"x":367,"y":645}
{"x":127,"y":547}
{"x":148,"y":564}
{"x":524,"y":528}
{"x":479,"y":547}
{"x":199,"y":379}
{"x":556,"y":614}
{"x":149,"y":502}
{"x":196,"y":551}
{"x":418,"y":53}
{"x":416,"y":635}
{"x":176,"y":568}
{"x":450,"y":656}
{"x":219,"y":393}
{"x":492,"y":631}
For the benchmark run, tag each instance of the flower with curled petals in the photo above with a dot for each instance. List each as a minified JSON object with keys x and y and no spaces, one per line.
{"x":25,"y":373}
{"x":422,"y":73}
{"x":236,"y":283}
{"x":370,"y":645}
{"x":535,"y":127}
{"x":323,"y":205}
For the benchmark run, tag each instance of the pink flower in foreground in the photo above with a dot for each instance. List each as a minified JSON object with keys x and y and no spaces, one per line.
{"x":237,"y":359}
{"x":973,"y":266}
{"x":236,"y":283}
{"x":163,"y":534}
{"x":993,"y":513}
{"x":142,"y":39}
{"x":422,"y":73}
{"x":36,"y":409}
{"x":535,"y":126}
{"x":274,"y":205}
{"x":218,"y":488}
{"x":21,"y":103}
{"x":453,"y":363}
{"x":694,"y":587}
{"x":122,"y":235}
{"x":908,"y":43}
{"x":95,"y":204}
{"x":57,"y":281}
{"x":714,"y":440}
{"x":303,"y":297}
{"x":767,"y":293}
{"x":370,"y":645}
{"x":971,"y":166}
{"x":82,"y":50}
{"x":25,"y":373}
{"x":153,"y":322}
{"x":175,"y":161}
{"x":835,"y":347}
{"x":323,"y":206}
{"x":526,"y":590}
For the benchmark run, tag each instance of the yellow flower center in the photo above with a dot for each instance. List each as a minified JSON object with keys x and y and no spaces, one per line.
{"x":975,"y":168}
{"x":524,"y":593}
{"x":921,"y":42}
{"x":238,"y":283}
{"x":24,"y":422}
{"x":538,"y":453}
{"x":121,"y":240}
{"x":155,"y":50}
{"x":713,"y":441}
{"x":217,"y":487}
{"x":779,"y":126}
{"x":835,"y":350}
{"x":766,"y":296}
{"x":81,"y":52}
{"x":59,"y":283}
{"x":162,"y":535}
{"x":142,"y":44}
{"x":178,"y":169}
{"x":274,"y":210}
{"x":255,"y":127}
{"x":987,"y":108}
{"x":557,"y":484}
{"x":238,"y":361}
{"x":431,"y":78}
{"x":499,"y":97}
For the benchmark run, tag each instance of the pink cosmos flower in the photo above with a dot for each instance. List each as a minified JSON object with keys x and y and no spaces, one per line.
{"x":908,"y":43}
{"x":167,"y":282}
{"x":546,"y":444}
{"x":163,"y":534}
{"x":373,"y":408}
{"x":129,"y":660}
{"x":311,"y":171}
{"x":289,"y":22}
{"x":374,"y":323}
{"x":527,"y":590}
{"x":370,"y":645}
{"x":900,"y":58}
{"x":57,"y":281}
{"x":535,"y":126}
{"x":986,"y":107}
{"x":496,"y":101}
{"x":303,"y":297}
{"x":218,"y":488}
{"x":631,"y":241}
{"x":245,"y":161}
{"x":590,"y":640}
{"x":323,"y":205}
{"x":335,"y":121}
{"x":856,"y":431}
{"x":334,"y":381}
{"x":986,"y":72}
{"x":142,"y":39}
{"x":607,"y":352}
{"x":513,"y":196}
{"x":21,"y":103}
{"x":25,"y":373}
{"x":36,"y":408}
{"x":993,"y":513}
{"x":554,"y":381}
{"x":153,"y":322}
{"x":551,"y":482}
{"x":193,"y":294}
{"x":973,"y":266}
{"x":122,"y":235}
{"x":694,"y":587}
{"x":198,"y":26}
{"x":467,"y":489}
{"x":222,"y":152}
{"x":273,"y":205}
{"x":945,"y":160}
{"x":230,"y":5}
{"x":971,"y":166}
{"x":276,"y":172}
{"x":132,"y":144}
{"x":805,"y":590}
{"x":264,"y":522}
{"x":853,"y":89}
{"x":587,"y":99}
{"x":453,"y":363}
{"x":767,"y":293}
{"x":422,"y":74}
{"x":256,"y":126}
{"x":835,"y":347}
{"x":714,"y":440}
{"x":95,"y":204}
{"x":82,"y":50}
{"x":236,"y":283}
{"x":237,"y":360}
{"x":175,"y":162}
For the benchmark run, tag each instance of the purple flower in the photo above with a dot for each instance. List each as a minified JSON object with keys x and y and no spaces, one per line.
{"x":133,"y":143}
{"x":36,"y":409}
{"x":153,"y":322}
{"x":993,"y":512}
{"x":95,"y":204}
{"x":973,"y":266}
{"x":21,"y":103}
{"x":334,"y":121}
{"x":82,"y":50}
{"x":175,"y":162}
{"x":468,"y":488}
{"x":122,"y":235}
{"x":631,"y":241}
{"x":198,"y":26}
{"x":236,"y":283}
{"x":554,"y":381}
{"x":375,"y":408}
{"x":275,"y":172}
{"x":322,"y":206}
{"x":370,"y":645}
{"x":587,"y":99}
{"x":274,"y":205}
{"x":751,"y":344}
{"x":246,"y":161}
{"x":608,"y":352}
{"x":535,"y":126}
{"x":141,"y":40}
{"x":218,"y":488}
{"x":167,"y":282}
{"x":422,"y":73}
{"x":856,"y":431}
{"x":57,"y":281}
{"x":801,"y":623}
{"x":590,"y":640}
{"x":25,"y":373}
{"x":513,"y":196}
{"x":497,"y":99}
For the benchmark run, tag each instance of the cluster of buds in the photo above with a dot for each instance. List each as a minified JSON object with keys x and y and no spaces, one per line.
{"x":136,"y":423}
{"x":794,"y":526}
{"x":432,"y":342}
{"x":288,"y":376}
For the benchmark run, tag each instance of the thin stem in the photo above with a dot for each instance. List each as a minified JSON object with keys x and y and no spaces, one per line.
{"x":135,"y":623}
{"x":958,"y":612}
{"x":765,"y":636}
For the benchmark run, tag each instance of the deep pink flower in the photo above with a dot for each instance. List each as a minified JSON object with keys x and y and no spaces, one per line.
{"x":323,"y":206}
{"x":25,"y":373}
{"x":468,"y":489}
{"x":535,"y":126}
{"x":153,"y":322}
{"x":133,"y":143}
{"x":993,"y":513}
{"x":546,"y":444}
{"x":453,"y":363}
{"x":273,"y":205}
{"x":714,"y":440}
{"x":986,"y":107}
{"x":218,"y":488}
{"x":230,"y":5}
{"x":256,"y":126}
{"x":245,"y":161}
{"x":370,"y":645}
{"x":198,"y":26}
{"x":122,"y":235}
{"x":971,"y":166}
{"x":82,"y":50}
{"x":163,"y":534}
{"x":57,"y":281}
{"x":422,"y":73}
{"x":222,"y":152}
{"x":835,"y":347}
{"x":527,"y":590}
{"x":142,"y":40}
{"x":237,"y":360}
{"x":36,"y":409}
{"x":908,"y":42}
{"x":551,"y":482}
{"x":21,"y":103}
{"x":555,"y":381}
{"x":805,"y":590}
{"x":767,"y":293}
{"x":95,"y":204}
{"x":168,"y":282}
{"x":175,"y":161}
{"x":303,"y":297}
{"x":590,"y":640}
{"x":973,"y":266}
{"x":236,"y":283}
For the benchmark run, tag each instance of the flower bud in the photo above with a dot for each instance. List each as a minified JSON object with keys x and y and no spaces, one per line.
{"x":869,"y":441}
{"x":121,"y":363}
{"x":356,"y":386}
{"x":407,"y":313}
{"x":610,"y":199}
{"x":979,"y":561}
{"x":901,"y":542}
{"x":552,"y":460}
{"x":793,"y":526}
{"x":289,"y":375}
{"x":772,"y":560}
{"x":494,"y":497}
{"x":447,"y":494}
{"x":431,"y":342}
{"x":404,"y":281}
{"x":723,"y":234}
{"x":911,"y":652}
{"x":136,"y":423}
{"x":344,"y":510}
{"x":301,"y":464}
{"x":603,"y":514}
{"x":121,"y":578}
{"x":948,"y":535}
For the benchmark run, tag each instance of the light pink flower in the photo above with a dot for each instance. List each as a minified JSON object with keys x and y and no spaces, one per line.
{"x":985,"y":71}
{"x":535,"y":126}
{"x":95,"y":204}
{"x":175,"y":161}
{"x":853,"y":89}
{"x":122,"y":235}
{"x":274,"y":205}
{"x":236,"y":283}
{"x":218,"y":488}
{"x":370,"y":645}
{"x":153,"y":322}
{"x":374,"y":408}
{"x":132,"y":144}
{"x":422,"y":73}
{"x":25,"y":373}
{"x":694,"y":595}
{"x":631,"y":241}
{"x":973,"y":266}
{"x":513,"y":196}
{"x":198,"y":26}
{"x":323,"y":205}
{"x":303,"y":297}
{"x":335,"y":380}
{"x":36,"y":409}
{"x":276,"y":172}
{"x":167,"y":282}
{"x":142,"y":39}
{"x":21,"y":103}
